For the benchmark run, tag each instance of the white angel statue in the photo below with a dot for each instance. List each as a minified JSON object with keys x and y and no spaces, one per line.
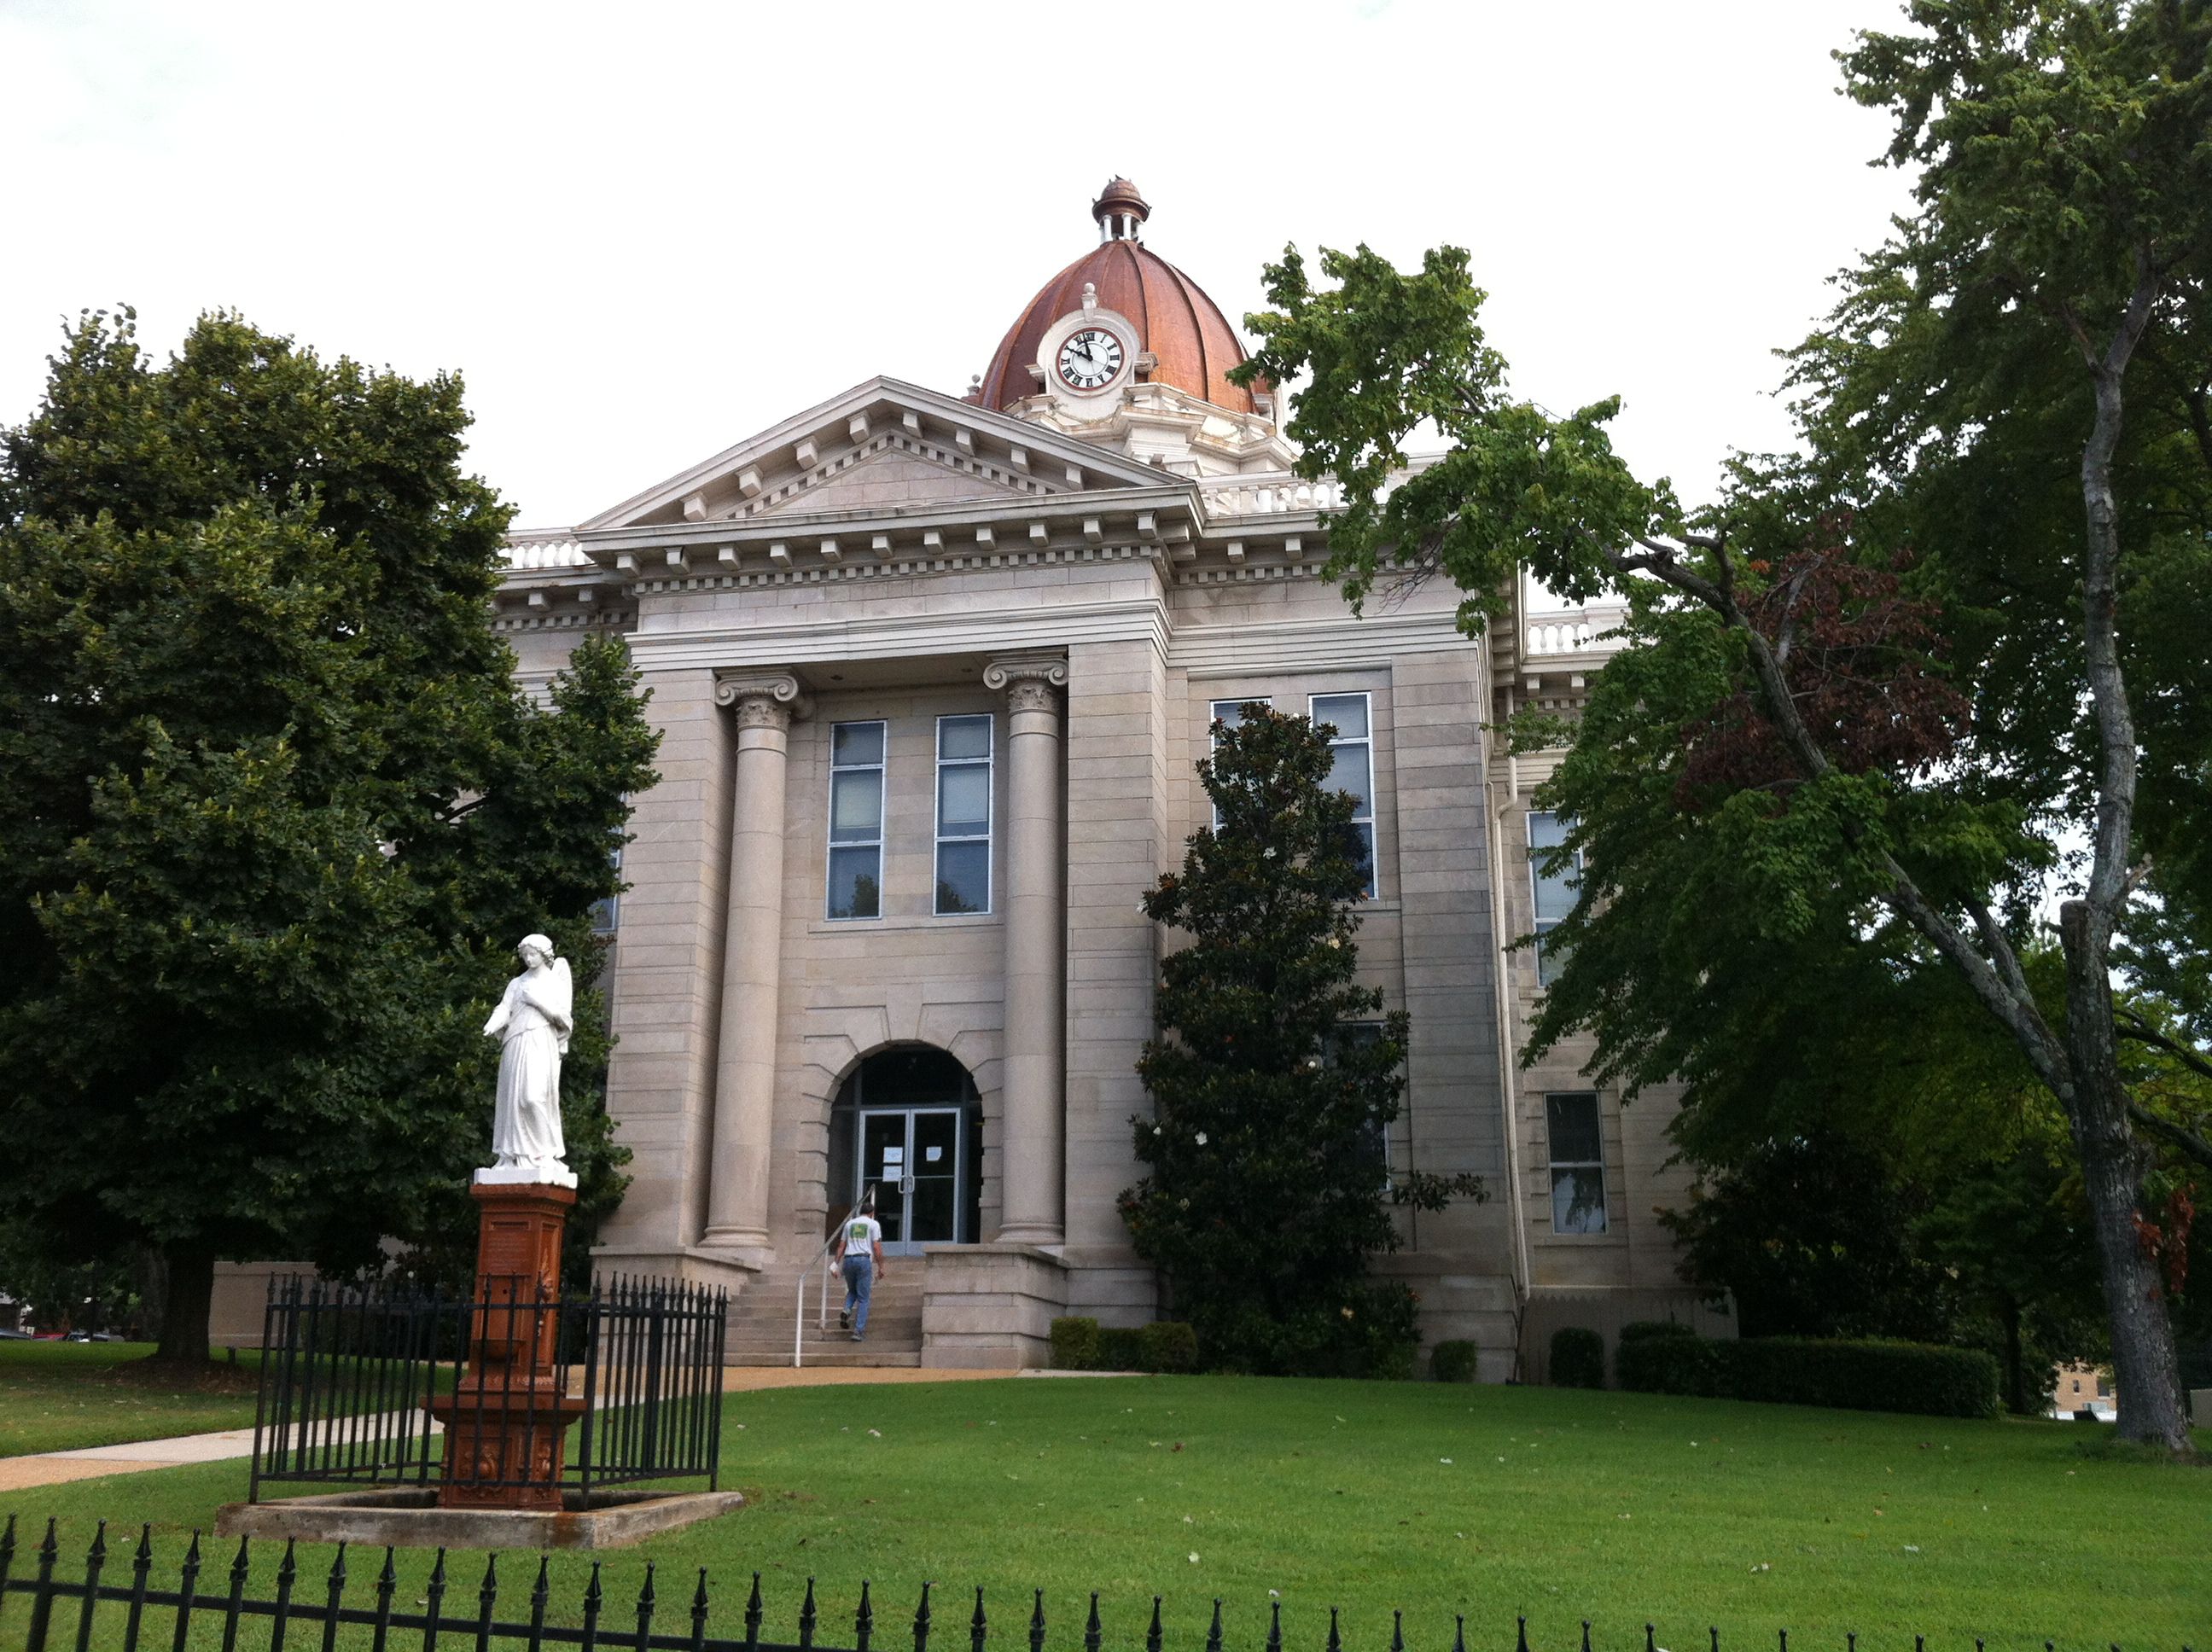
{"x":533,"y":1023}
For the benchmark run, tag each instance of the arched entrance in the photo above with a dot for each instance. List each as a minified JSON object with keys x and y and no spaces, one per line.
{"x":906,"y":1123}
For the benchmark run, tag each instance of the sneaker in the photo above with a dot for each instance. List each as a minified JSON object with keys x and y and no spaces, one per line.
{"x":844,"y":1319}
{"x":857,"y":1337}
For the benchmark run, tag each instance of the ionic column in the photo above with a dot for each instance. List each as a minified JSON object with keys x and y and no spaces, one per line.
{"x":1034,"y":1101}
{"x":752,"y":958}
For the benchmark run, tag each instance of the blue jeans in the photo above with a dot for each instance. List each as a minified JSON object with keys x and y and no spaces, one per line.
{"x":859,"y":1280}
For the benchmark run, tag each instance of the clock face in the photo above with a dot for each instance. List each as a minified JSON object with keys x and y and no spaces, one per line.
{"x":1089,"y":358}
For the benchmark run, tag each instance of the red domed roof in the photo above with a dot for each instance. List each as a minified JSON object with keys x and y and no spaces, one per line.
{"x":1177,"y":323}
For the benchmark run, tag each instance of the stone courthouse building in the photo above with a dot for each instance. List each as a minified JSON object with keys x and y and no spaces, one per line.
{"x":932,"y":672}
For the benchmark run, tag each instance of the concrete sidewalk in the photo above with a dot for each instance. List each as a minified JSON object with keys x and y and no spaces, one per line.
{"x":90,"y":1462}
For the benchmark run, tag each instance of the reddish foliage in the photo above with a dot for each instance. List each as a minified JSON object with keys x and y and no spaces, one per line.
{"x":1861,"y":661}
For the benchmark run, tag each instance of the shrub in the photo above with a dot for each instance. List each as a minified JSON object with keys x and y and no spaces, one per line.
{"x":1168,"y":1345}
{"x":1578,"y":1358}
{"x":1074,"y":1344}
{"x":1670,"y":1364}
{"x":1917,"y":1377}
{"x":1453,"y":1362}
{"x":1644,"y":1330}
{"x":1121,"y":1348}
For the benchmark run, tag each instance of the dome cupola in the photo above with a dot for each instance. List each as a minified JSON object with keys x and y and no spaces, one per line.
{"x":1119,"y":316}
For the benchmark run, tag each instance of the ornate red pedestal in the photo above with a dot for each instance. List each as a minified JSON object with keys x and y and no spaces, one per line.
{"x":507,"y":1419}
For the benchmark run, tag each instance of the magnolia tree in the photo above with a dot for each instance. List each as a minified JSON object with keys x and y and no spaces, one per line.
{"x":2006,"y":444}
{"x":1274,"y":1076}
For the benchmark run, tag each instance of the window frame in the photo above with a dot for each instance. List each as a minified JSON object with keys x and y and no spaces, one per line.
{"x":1374,"y":890}
{"x":881,"y":768}
{"x":1213,"y":709}
{"x":1553,"y":1164}
{"x":988,"y":762}
{"x":1366,"y":1031}
{"x":1540,"y":925}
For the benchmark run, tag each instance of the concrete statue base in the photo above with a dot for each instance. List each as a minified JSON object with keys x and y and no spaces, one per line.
{"x":410,"y":1517}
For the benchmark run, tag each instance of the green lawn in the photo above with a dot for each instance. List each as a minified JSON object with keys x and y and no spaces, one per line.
{"x":58,"y":1396}
{"x":1489,"y":1502}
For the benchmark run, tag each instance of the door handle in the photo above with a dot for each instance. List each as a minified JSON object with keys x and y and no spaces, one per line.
{"x":905,"y":1184}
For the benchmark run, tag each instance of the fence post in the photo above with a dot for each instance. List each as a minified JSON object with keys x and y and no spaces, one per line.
{"x":334,"y":1589}
{"x":977,"y":1628}
{"x":435,"y":1600}
{"x":807,"y":1620}
{"x":95,"y":1558}
{"x":863,"y":1620}
{"x":593,"y":1598}
{"x":538,"y":1592}
{"x":1091,"y":1631}
{"x":42,"y":1598}
{"x":753,"y":1616}
{"x":8,"y":1559}
{"x":699,"y":1614}
{"x":386,"y":1581}
{"x":1036,"y":1625}
{"x":645,"y":1610}
{"x":141,"y":1563}
{"x":1152,"y":1633}
{"x":238,"y":1570}
{"x":921,"y":1622}
{"x":1212,"y":1633}
{"x":487,"y":1593}
{"x":286,"y":1569}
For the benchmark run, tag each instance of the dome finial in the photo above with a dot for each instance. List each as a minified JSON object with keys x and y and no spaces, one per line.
{"x":1121,"y":211}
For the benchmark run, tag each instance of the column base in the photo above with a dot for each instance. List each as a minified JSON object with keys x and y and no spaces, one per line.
{"x":1043,"y":1235}
{"x":748,"y":1247}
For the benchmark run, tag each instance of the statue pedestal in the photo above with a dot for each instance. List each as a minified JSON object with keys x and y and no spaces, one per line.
{"x":508,"y":1415}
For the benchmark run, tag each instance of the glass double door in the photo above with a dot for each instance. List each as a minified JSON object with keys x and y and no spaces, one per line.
{"x":912,"y":1157}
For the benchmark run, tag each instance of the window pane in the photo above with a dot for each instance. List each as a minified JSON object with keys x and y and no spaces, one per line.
{"x":1555,"y":894}
{"x":1349,"y":773}
{"x":1573,"y":1123}
{"x":963,"y":798}
{"x":1578,"y":1200}
{"x":856,"y":742}
{"x":1551,"y":955}
{"x":1546,"y":830}
{"x":963,"y":877}
{"x":963,"y":737}
{"x":856,"y":805}
{"x":1359,"y":845}
{"x":1348,"y":711}
{"x":855,"y":888}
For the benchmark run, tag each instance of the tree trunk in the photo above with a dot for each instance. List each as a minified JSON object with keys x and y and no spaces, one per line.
{"x":184,"y":1311}
{"x":2015,"y":1375}
{"x":2145,"y":1372}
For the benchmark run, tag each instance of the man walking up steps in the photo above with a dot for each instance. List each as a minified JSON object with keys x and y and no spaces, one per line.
{"x":860,"y":1254}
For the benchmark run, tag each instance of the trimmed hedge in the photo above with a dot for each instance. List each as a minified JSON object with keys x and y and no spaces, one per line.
{"x":1918,"y":1378}
{"x":1168,"y":1345}
{"x":1079,"y":1343}
{"x":1074,"y":1344}
{"x":1453,"y":1362}
{"x":1578,"y":1358}
{"x":1646,"y":1330}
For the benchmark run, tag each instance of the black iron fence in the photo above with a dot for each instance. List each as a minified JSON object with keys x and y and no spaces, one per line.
{"x":62,"y":1608}
{"x":622,"y":1385}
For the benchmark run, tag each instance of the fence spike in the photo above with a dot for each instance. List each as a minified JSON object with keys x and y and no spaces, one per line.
{"x":1336,"y":1644}
{"x":1152,"y":1634}
{"x":42,"y":1599}
{"x":978,"y":1626}
{"x":1459,"y":1632}
{"x":386,"y":1581}
{"x":142,"y":1563}
{"x":1398,"y":1631}
{"x":1275,"y":1628}
{"x":806,"y":1618}
{"x":594,"y":1598}
{"x":486,"y":1596}
{"x":1213,"y":1631}
{"x":922,"y":1620}
{"x":1092,"y":1633}
{"x":434,"y":1599}
{"x":333,"y":1587}
{"x":1649,"y":1643}
{"x":1036,"y":1625}
{"x":241,"y":1565}
{"x":288,"y":1571}
{"x":538,"y":1593}
{"x":646,"y":1602}
{"x":1586,"y":1645}
{"x":699,"y":1613}
{"x":863,"y":1620}
{"x":753,"y":1616}
{"x":1519,"y":1645}
{"x":95,"y":1558}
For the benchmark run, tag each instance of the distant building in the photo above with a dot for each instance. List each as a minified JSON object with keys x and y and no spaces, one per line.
{"x":931,"y":674}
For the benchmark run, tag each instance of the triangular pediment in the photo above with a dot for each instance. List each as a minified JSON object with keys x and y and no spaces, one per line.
{"x":857,"y":449}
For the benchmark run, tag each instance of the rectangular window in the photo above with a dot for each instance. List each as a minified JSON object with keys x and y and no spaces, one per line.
{"x":606,"y":911}
{"x":963,"y":814}
{"x":1554,"y":894}
{"x":1228,"y":713}
{"x":1351,"y":739}
{"x":1374,"y":1149}
{"x":856,"y":820}
{"x":1578,"y":1154}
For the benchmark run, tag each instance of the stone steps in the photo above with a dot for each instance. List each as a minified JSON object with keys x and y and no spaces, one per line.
{"x":760,"y":1322}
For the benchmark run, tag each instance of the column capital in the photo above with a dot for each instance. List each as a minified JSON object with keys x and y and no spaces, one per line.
{"x":1028,"y":680}
{"x":763,"y":699}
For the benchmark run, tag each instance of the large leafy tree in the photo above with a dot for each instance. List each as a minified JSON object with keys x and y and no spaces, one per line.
{"x":275,"y":812}
{"x":2005,"y":420}
{"x":1274,"y":1076}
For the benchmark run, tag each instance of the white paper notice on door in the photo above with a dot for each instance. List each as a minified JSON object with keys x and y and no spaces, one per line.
{"x":894,"y":1156}
{"x":932,"y":1154}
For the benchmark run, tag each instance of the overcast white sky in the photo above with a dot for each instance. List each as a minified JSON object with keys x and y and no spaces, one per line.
{"x":644,"y":232}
